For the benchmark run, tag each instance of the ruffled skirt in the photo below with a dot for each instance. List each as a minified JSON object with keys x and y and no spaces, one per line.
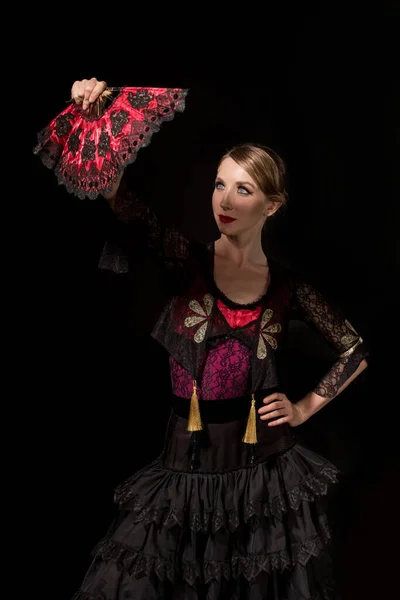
{"x":239,"y":526}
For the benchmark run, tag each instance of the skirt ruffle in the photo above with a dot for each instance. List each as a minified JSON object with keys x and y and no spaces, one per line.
{"x":252,"y":533}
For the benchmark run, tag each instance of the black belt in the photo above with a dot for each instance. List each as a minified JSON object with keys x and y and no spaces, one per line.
{"x":221,"y":411}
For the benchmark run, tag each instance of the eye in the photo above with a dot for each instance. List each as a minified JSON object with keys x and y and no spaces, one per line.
{"x":218,"y":185}
{"x":243,"y":190}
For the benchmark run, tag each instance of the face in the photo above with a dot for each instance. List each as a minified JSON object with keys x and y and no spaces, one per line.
{"x":238,"y":203}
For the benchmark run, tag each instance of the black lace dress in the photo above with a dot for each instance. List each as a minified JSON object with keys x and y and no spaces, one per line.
{"x":214,"y":517}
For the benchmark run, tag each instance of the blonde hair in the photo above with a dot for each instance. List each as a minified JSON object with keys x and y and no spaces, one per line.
{"x":265,"y":166}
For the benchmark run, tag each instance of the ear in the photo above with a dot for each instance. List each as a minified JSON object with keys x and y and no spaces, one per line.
{"x":271,"y":206}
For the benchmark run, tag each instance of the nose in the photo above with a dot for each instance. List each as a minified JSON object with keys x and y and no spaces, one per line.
{"x":225,"y":202}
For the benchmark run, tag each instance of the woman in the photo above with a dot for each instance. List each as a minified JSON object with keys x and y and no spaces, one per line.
{"x":232,"y":509}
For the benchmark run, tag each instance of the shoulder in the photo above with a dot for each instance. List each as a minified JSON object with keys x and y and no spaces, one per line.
{"x":293,"y":276}
{"x":283,"y":273}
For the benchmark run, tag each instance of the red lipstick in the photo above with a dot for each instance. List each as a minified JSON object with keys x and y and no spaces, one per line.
{"x":225,"y":219}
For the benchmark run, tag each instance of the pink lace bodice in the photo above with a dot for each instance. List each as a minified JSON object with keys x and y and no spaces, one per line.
{"x":225,"y":367}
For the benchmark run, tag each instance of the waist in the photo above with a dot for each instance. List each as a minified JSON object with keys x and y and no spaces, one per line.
{"x":221,"y":411}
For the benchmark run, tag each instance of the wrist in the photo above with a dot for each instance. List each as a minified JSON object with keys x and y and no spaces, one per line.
{"x":311,"y":403}
{"x":305,"y":406}
{"x":112,"y":195}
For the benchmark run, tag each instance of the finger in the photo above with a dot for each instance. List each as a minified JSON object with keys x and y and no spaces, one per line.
{"x":97,"y":90}
{"x":278,"y":422}
{"x":78,"y":91}
{"x":271,"y":406}
{"x":89,"y":87}
{"x":274,"y":413}
{"x":275,"y":396}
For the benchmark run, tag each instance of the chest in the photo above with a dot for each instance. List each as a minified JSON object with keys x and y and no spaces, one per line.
{"x":243,"y":285}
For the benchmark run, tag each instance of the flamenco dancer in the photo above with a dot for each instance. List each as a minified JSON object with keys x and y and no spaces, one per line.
{"x":232,"y":509}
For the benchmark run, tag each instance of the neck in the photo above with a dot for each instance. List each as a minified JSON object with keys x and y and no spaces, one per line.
{"x":242,"y":250}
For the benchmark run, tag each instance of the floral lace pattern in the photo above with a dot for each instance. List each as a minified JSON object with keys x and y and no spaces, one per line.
{"x":211,"y":520}
{"x":337,"y":332}
{"x":139,"y":565}
{"x":224,"y":372}
{"x":88,"y":153}
{"x":169,"y":246}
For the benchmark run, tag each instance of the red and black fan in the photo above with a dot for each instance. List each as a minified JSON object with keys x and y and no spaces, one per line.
{"x":89,"y":149}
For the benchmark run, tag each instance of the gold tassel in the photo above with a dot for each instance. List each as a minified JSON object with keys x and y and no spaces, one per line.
{"x":194,"y":423}
{"x":250,"y":437}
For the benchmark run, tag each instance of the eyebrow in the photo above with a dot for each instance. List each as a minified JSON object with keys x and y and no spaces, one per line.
{"x":238,"y":182}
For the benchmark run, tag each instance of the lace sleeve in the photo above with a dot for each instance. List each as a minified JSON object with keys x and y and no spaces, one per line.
{"x":312,"y":308}
{"x":136,"y":231}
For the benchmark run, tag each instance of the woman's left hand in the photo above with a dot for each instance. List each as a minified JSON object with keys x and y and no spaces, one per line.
{"x":279,"y":405}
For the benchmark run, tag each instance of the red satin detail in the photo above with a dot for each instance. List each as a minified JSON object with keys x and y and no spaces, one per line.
{"x":88,"y":153}
{"x":238,"y":317}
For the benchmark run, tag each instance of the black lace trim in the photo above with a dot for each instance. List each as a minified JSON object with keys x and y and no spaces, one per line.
{"x":139,"y":565}
{"x":89,"y":182}
{"x":338,"y":333}
{"x":213,"y":519}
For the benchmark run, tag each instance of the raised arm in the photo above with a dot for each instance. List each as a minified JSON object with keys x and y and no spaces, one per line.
{"x":102,"y":140}
{"x":137,"y":230}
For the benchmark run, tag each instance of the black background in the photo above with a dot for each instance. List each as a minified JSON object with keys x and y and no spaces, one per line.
{"x":321,"y":95}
